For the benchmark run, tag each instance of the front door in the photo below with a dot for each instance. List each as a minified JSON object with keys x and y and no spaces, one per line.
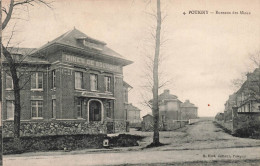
{"x":94,"y":111}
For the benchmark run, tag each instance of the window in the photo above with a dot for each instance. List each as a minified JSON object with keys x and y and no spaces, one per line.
{"x":9,"y":82}
{"x":54,"y":108}
{"x":93,"y":82}
{"x":79,"y":108}
{"x":109,"y":109}
{"x":53,"y":79}
{"x":10,"y":109}
{"x":78,"y":80}
{"x":36,"y":108}
{"x":37,"y":80}
{"x":163,"y":118}
{"x":107,"y":84}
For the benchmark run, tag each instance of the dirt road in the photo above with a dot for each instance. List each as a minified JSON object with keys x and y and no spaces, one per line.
{"x":202,"y":135}
{"x":202,"y":143}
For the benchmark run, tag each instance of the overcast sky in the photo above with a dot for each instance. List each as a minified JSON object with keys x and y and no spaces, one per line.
{"x":204,"y":52}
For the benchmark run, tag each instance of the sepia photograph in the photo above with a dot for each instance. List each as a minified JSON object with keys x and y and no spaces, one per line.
{"x":130,"y":82}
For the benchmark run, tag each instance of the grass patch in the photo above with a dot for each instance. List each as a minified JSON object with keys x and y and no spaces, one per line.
{"x":223,"y":128}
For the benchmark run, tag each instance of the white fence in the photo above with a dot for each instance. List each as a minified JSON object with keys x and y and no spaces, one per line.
{"x":191,"y":121}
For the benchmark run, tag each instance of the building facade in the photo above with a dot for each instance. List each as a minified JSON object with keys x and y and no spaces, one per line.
{"x":169,"y":107}
{"x":74,"y":82}
{"x":242,"y":110}
{"x":188,"y":111}
{"x":133,"y":115}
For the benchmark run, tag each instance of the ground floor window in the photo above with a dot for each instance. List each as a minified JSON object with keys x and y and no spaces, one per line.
{"x":36,"y":108}
{"x":94,"y":111}
{"x":10,"y":109}
{"x":54,"y":108}
{"x":109,"y":109}
{"x":79,"y":107}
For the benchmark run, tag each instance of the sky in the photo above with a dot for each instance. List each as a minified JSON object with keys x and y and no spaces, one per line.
{"x":202,"y":53}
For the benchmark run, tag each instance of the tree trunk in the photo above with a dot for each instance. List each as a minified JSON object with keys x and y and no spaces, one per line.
{"x":17,"y":105}
{"x":156,"y":140}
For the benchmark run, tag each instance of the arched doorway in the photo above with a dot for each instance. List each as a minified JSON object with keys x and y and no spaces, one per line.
{"x":95,"y":109}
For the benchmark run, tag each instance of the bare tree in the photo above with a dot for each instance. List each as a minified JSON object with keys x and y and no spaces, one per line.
{"x":254,"y":62}
{"x":154,"y":75}
{"x":12,"y":64}
{"x":155,"y":107}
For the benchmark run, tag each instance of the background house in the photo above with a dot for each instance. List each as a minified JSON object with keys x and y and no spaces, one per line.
{"x":188,"y":111}
{"x":230,"y":103}
{"x":147,"y":123}
{"x":169,"y":107}
{"x":173,"y":113}
{"x":133,"y":115}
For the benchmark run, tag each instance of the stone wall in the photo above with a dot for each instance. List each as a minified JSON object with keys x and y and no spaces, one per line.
{"x":54,"y":142}
{"x":43,"y":128}
{"x":173,"y":126}
{"x":120,"y":126}
{"x":192,"y":121}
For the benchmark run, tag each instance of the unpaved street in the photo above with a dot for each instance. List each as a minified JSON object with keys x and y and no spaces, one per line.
{"x":201,"y":142}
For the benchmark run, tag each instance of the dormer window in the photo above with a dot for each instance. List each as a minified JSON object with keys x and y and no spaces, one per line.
{"x":91,"y":43}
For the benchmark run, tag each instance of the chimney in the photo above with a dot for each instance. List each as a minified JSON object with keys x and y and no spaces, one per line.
{"x":187,"y":101}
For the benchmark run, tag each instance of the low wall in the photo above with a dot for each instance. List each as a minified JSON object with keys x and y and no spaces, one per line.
{"x":117,"y":126}
{"x":192,"y":121}
{"x":243,"y":124}
{"x":64,"y":127}
{"x":173,"y":126}
{"x":226,"y":125}
{"x":148,"y":126}
{"x":120,"y":126}
{"x":135,"y":125}
{"x":54,"y":142}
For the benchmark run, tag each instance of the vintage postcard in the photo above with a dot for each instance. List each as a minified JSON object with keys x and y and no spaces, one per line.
{"x":130,"y":82}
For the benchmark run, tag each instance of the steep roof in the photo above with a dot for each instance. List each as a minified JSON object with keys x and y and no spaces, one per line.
{"x":125,"y":84}
{"x":23,"y":55}
{"x":21,"y":50}
{"x":251,"y":81}
{"x":187,"y":104}
{"x":72,"y":38}
{"x":166,"y":96}
{"x":132,"y":107}
{"x":147,"y":115}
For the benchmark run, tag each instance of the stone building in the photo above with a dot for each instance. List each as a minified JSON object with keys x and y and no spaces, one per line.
{"x":71,"y":85}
